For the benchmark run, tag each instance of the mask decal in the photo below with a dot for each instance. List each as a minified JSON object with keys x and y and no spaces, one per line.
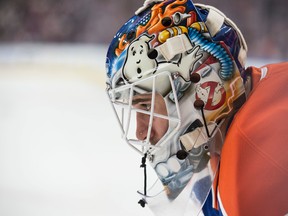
{"x":138,"y":64}
{"x":143,"y":61}
{"x":212,"y":93}
{"x":217,"y":51}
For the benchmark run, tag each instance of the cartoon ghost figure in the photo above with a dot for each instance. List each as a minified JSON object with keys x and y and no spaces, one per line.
{"x":137,"y":64}
{"x":142,"y":62}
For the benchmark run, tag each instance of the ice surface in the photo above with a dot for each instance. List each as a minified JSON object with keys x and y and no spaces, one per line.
{"x":60,"y":149}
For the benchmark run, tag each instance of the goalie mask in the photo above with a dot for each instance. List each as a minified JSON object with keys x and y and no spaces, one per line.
{"x":173,"y":79}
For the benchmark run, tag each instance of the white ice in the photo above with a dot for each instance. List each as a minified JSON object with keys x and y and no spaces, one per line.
{"x":60,"y":149}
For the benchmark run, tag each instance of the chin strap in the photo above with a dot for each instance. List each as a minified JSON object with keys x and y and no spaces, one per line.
{"x":142,"y":201}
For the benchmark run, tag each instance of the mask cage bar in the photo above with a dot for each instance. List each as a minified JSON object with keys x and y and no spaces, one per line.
{"x":151,"y":111}
{"x":133,"y":86}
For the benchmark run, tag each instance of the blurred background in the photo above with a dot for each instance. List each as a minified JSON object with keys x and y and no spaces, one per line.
{"x":263,"y":22}
{"x":60,"y":147}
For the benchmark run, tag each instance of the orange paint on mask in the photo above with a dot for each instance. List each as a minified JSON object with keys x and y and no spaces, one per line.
{"x":157,"y":14}
{"x":154,"y":24}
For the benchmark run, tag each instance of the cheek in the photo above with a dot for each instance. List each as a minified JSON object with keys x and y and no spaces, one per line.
{"x":142,"y":121}
{"x":160,"y":126}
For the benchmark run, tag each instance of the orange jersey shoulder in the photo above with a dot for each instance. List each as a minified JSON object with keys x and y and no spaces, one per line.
{"x":254,"y":161}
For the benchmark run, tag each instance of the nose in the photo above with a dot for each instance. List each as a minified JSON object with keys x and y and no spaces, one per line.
{"x":141,"y":135}
{"x":141,"y":129}
{"x":142,"y":126}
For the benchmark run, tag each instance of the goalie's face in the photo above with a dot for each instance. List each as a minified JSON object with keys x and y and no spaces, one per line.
{"x":159,"y":125}
{"x":146,"y":116}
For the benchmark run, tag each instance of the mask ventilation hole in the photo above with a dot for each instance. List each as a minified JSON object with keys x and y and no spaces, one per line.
{"x":195,"y":77}
{"x":152,"y":53}
{"x":181,"y":154}
{"x":166,"y":21}
{"x":131,"y":35}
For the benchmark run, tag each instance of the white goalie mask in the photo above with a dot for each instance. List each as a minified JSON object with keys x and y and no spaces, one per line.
{"x":172,"y":82}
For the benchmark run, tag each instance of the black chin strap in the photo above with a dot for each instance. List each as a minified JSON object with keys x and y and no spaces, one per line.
{"x":142,"y":201}
{"x":199,"y":104}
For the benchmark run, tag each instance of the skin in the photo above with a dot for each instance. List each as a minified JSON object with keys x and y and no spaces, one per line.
{"x":159,"y":125}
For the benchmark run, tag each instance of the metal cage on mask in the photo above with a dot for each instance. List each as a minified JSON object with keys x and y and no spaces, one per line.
{"x":123,"y":101}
